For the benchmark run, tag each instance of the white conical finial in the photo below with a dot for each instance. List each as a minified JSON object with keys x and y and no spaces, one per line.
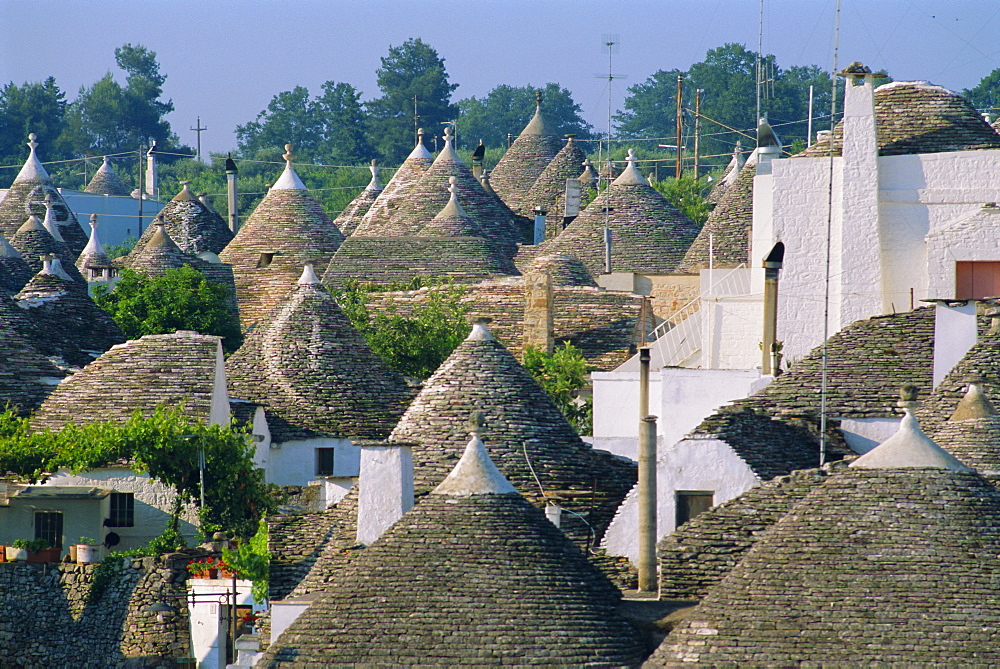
{"x":448,"y":137}
{"x":49,"y":222}
{"x":32,"y":168}
{"x":630,"y":176}
{"x":32,"y":143}
{"x":288,"y":180}
{"x":452,"y":188}
{"x":93,"y":223}
{"x":475,"y":473}
{"x":480,"y":331}
{"x":308,"y":277}
{"x":288,"y":155}
{"x":374,"y":184}
{"x":56,"y":269}
{"x":107,"y":163}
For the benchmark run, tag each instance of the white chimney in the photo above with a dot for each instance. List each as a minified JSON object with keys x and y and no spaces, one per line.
{"x":954,"y":334}
{"x":385,"y":489}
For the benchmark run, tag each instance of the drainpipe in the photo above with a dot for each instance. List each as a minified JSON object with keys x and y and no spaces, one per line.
{"x":647,"y":481}
{"x":231,"y":171}
{"x":772,"y":265}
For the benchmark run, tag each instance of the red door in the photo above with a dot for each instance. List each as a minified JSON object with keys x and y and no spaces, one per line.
{"x":976,"y":280}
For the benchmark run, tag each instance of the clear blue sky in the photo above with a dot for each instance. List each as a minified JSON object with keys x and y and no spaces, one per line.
{"x":225,"y":60}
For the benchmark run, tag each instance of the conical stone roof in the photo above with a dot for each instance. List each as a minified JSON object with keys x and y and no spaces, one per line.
{"x":33,"y":241}
{"x":287,"y":231}
{"x":972,"y":434}
{"x":452,"y":221}
{"x":350,"y":218}
{"x":729,"y":175}
{"x":141,"y":374}
{"x":191,"y":224}
{"x":725,"y":235}
{"x":981,"y":361}
{"x":917,"y":117}
{"x":377,"y":221}
{"x":93,"y":256}
{"x":14,"y":271}
{"x":525,"y":161}
{"x":107,"y":182}
{"x":564,"y":270}
{"x":26,"y":375}
{"x":430,"y":195}
{"x":68,"y":324}
{"x":648,"y":234}
{"x":549,"y":189}
{"x":307,"y":365}
{"x":27,"y":197}
{"x":876,"y":564}
{"x":520,"y":417}
{"x":472,"y":576}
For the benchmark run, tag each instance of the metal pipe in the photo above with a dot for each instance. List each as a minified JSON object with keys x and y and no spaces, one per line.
{"x":680,"y":126}
{"x":772,"y":265}
{"x":697,"y":130}
{"x":643,"y":382}
{"x":647,"y":504}
{"x":231,"y":172}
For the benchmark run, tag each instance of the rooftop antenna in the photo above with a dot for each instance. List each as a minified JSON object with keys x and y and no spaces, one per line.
{"x":760,"y":39}
{"x":611,"y":44}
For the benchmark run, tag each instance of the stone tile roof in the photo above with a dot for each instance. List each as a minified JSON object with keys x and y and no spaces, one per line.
{"x":295,"y":541}
{"x":377,"y":221}
{"x":727,"y":226}
{"x":873,"y":566}
{"x":14,"y":271}
{"x":287,"y":231}
{"x":93,"y":256}
{"x":26,"y":375}
{"x":160,"y":254}
{"x":565,"y":270}
{"x":524,"y":162}
{"x":168,"y":369}
{"x":917,"y":117}
{"x":430,"y":195}
{"x":482,"y":375}
{"x":867,"y":363}
{"x":703,"y":550}
{"x":549,"y":189}
{"x":733,"y":169}
{"x":313,"y":371}
{"x":996,"y":125}
{"x":473,"y":580}
{"x":68,"y":324}
{"x":982,"y":360}
{"x":107,"y":182}
{"x":33,"y":241}
{"x":974,"y":440}
{"x":350,"y":218}
{"x":192,"y":225}
{"x":648,"y":234}
{"x":27,"y":196}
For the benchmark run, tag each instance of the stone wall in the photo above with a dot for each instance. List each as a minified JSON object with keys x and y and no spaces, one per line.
{"x":46,"y":621}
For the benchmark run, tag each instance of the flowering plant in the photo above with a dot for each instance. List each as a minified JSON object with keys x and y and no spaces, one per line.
{"x":203,"y":566}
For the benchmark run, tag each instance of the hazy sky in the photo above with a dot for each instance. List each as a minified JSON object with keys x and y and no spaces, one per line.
{"x":225,"y":60}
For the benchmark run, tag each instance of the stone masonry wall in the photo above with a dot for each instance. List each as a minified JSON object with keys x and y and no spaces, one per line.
{"x":46,"y":621}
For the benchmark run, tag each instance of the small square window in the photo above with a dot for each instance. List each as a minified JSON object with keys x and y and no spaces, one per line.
{"x":692,"y":503}
{"x":265,"y":259}
{"x":122,"y":510}
{"x":49,"y":526}
{"x":324,"y":462}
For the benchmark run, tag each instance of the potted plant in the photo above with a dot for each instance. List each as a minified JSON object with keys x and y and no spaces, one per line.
{"x":18,"y":550}
{"x":39,"y":550}
{"x":3,"y":553}
{"x":88,"y":551}
{"x":204,"y":568}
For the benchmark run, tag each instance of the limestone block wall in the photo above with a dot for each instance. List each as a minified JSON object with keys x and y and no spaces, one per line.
{"x":45,"y":620}
{"x":669,"y":292}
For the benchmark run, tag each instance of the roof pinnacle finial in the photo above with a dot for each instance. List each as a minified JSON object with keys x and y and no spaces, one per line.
{"x":449,"y":136}
{"x":452,"y":188}
{"x":93,"y":221}
{"x":477,"y":423}
{"x":974,"y":404}
{"x":31,"y":141}
{"x":538,"y":98}
{"x":374,"y":184}
{"x":288,"y":154}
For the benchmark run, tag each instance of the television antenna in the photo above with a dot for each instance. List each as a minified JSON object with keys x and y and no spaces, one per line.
{"x":611,"y":44}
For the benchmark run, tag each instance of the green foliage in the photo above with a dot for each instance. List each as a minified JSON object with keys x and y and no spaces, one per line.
{"x":251,"y":560}
{"x":179,"y":299}
{"x":685,"y":194}
{"x":86,"y":540}
{"x":38,"y":107}
{"x":563,"y":374}
{"x":507,"y":109}
{"x":985,"y":96}
{"x":38,"y":544}
{"x":416,"y":344}
{"x":22,"y":543}
{"x":123,"y":249}
{"x":412,"y":69}
{"x":327,"y":129}
{"x":165,"y":445}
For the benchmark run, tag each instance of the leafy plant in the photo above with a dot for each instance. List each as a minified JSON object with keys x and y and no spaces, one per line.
{"x":86,"y":540}
{"x":22,"y":543}
{"x":563,"y":374}
{"x":251,"y":560}
{"x":685,"y":194}
{"x":122,"y":249}
{"x":414,"y":344}
{"x":178,"y":299}
{"x":38,"y":544}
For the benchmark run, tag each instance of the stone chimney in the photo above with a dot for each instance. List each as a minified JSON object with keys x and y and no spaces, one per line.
{"x":539,"y":330}
{"x":385,"y":489}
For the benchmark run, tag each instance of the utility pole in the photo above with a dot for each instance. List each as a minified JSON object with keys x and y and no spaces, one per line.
{"x":198,"y":129}
{"x":138,"y":182}
{"x":680,"y":126}
{"x":697,"y":129}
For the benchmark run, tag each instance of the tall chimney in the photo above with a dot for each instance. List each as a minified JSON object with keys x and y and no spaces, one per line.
{"x":231,"y":171}
{"x":769,"y":344}
{"x":152,"y":179}
{"x":477,"y":160}
{"x":385,"y":489}
{"x":538,"y":317}
{"x":647,"y":503}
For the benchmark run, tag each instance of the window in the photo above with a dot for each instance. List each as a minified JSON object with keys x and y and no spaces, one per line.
{"x":690,"y":504}
{"x":122,"y":510}
{"x":265,"y":259}
{"x":976,"y":280}
{"x":324,"y":462}
{"x":49,"y":526}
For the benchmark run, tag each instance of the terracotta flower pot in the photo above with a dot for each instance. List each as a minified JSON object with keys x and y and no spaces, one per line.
{"x":45,"y":555}
{"x":72,"y":553}
{"x":3,"y":553}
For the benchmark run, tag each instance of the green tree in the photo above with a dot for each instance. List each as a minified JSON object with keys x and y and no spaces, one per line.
{"x":413,"y":69}
{"x":329,"y":128}
{"x":650,"y":108}
{"x":563,"y":374}
{"x":38,"y":107}
{"x":415,"y":344}
{"x":507,"y":109}
{"x":985,"y":96}
{"x":165,"y":445}
{"x":685,"y":194}
{"x":178,"y":299}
